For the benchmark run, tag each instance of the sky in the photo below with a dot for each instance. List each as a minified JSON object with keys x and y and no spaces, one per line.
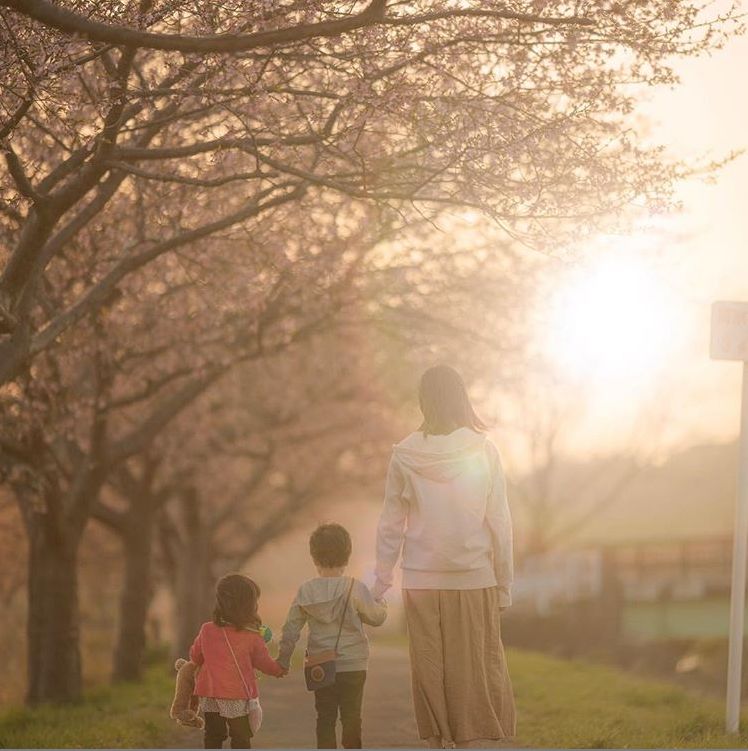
{"x":708,"y":116}
{"x":695,"y":256}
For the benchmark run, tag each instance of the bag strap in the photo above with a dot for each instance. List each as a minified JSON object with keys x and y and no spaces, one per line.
{"x":236,"y":662}
{"x":342,"y":617}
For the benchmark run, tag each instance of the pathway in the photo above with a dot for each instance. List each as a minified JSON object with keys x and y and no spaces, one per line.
{"x":289,"y":707}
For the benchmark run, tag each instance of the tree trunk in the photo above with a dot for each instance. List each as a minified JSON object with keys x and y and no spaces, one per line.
{"x":137,"y":590}
{"x":194,"y":592}
{"x":190,"y":557}
{"x":54,"y":663}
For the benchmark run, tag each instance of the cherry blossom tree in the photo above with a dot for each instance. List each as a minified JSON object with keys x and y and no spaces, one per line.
{"x":191,"y":188}
{"x":102,"y":394}
{"x":520,"y":110}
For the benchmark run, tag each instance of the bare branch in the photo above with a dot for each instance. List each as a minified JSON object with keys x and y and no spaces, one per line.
{"x":99,"y":293}
{"x":183,"y":180}
{"x":143,"y":435}
{"x":109,"y":517}
{"x":506,"y":15}
{"x":56,"y":17}
{"x":25,"y":188}
{"x":16,"y":117}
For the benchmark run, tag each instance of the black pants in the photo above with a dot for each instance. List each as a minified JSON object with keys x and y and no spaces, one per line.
{"x":217,"y":729}
{"x":345,"y":696}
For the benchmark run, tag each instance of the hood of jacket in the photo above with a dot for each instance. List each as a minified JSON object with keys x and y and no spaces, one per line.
{"x":323,"y":598}
{"x":441,"y":458}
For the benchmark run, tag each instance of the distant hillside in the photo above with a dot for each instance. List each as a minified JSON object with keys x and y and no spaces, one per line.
{"x":691,"y":495}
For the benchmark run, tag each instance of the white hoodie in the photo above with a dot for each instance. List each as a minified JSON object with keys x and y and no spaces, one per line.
{"x":445,"y":509}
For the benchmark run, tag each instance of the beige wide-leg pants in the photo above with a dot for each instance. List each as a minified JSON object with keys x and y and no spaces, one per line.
{"x":461,"y":688}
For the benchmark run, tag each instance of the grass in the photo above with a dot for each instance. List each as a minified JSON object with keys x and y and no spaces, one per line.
{"x":573,"y":704}
{"x":560,"y":703}
{"x":122,"y":716}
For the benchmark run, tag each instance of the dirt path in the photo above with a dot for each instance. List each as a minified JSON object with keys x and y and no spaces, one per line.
{"x":289,"y":708}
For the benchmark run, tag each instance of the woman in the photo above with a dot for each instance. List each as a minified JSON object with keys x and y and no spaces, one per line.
{"x":445,"y":508}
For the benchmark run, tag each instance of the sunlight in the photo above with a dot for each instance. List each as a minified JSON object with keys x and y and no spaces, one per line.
{"x":611,"y":321}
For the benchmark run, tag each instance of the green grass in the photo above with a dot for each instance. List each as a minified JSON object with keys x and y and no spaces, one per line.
{"x":560,"y":704}
{"x":123,"y":716}
{"x":578,"y":705}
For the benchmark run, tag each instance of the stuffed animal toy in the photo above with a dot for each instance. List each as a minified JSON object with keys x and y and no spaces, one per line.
{"x":185,"y":704}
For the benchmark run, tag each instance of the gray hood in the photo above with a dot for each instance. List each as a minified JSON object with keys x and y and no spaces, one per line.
{"x":440,"y":458}
{"x":319,"y":606}
{"x":323,"y":598}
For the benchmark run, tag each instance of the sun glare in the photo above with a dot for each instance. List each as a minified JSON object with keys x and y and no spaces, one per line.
{"x":611,"y":321}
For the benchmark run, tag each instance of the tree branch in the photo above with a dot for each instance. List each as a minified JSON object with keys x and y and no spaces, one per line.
{"x":140,"y":437}
{"x":100,"y":291}
{"x":184,"y":180}
{"x":16,"y":117}
{"x":70,"y":22}
{"x":23,"y":184}
{"x":228,"y":512}
{"x":113,"y":520}
{"x":507,"y":15}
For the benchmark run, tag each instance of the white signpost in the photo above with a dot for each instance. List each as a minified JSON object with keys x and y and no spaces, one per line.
{"x":729,"y":341}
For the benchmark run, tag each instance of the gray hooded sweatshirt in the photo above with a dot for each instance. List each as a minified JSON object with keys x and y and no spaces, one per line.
{"x":319,"y":605}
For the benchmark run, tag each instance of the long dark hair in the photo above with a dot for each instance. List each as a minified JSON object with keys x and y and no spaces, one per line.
{"x":236,"y":602}
{"x":445,"y":403}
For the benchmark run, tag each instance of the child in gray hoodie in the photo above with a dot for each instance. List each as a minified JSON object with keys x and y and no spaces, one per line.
{"x":321,"y":605}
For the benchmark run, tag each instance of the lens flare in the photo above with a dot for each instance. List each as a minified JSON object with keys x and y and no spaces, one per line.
{"x":611,"y":321}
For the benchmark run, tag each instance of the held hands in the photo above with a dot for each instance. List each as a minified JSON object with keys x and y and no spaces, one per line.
{"x":378,"y":590}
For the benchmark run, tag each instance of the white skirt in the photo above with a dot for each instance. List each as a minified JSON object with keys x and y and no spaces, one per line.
{"x":231,"y":708}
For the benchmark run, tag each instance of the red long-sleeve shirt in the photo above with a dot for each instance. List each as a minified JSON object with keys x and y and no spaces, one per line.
{"x":218,"y":676}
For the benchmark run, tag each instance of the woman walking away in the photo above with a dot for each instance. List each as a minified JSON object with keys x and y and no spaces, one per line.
{"x":446,"y":509}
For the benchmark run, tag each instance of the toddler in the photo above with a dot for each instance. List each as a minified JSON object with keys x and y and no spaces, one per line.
{"x":228,"y":650}
{"x":324,"y":604}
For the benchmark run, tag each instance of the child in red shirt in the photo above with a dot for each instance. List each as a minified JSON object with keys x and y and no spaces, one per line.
{"x":228,"y":650}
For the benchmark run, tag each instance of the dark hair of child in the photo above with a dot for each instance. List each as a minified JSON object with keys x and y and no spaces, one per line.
{"x":236,"y":602}
{"x":330,"y":545}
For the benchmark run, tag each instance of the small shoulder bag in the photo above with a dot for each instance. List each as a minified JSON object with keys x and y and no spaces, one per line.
{"x":320,"y":669}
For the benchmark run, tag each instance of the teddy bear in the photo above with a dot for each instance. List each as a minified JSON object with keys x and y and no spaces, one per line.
{"x":185,"y":704}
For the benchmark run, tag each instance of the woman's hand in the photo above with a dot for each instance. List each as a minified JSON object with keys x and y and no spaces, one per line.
{"x":378,"y":590}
